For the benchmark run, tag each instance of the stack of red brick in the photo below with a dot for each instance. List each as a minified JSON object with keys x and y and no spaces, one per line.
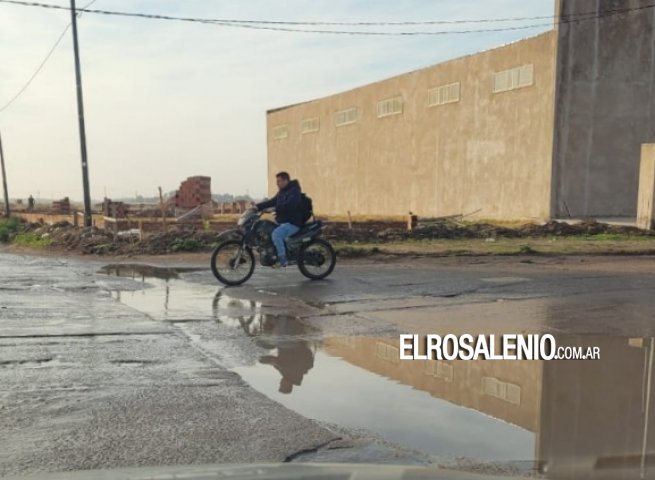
{"x":61,"y":207}
{"x":194,"y":191}
{"x":114,"y":209}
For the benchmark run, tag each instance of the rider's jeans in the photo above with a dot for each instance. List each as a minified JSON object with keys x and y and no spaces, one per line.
{"x":278,"y":236}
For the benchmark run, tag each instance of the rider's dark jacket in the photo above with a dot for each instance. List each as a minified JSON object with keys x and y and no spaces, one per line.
{"x":287,"y":203}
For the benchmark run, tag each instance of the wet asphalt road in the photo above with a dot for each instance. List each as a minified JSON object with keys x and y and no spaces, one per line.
{"x":131,"y":367}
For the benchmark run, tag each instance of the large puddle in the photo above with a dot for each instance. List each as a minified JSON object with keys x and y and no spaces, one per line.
{"x":567,"y":418}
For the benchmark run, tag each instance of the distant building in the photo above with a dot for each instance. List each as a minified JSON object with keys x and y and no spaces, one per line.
{"x":550,"y":126}
{"x":193,"y":192}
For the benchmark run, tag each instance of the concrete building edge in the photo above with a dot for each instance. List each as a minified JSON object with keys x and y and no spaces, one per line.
{"x":555,"y":171}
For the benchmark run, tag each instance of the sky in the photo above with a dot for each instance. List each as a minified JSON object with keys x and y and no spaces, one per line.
{"x":167,"y":100}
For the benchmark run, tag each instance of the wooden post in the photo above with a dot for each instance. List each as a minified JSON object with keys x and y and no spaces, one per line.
{"x":161,"y":207}
{"x":412,"y":221}
{"x":350,"y":221}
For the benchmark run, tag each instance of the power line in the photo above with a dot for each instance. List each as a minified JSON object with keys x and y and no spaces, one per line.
{"x":324,"y":23}
{"x":38,"y":70}
{"x":269,"y":25}
{"x":41,"y":65}
{"x":264,"y":25}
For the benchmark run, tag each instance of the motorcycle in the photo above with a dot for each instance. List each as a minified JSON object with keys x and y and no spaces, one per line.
{"x":233,"y":260}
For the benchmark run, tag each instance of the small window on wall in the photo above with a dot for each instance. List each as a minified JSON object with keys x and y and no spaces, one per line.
{"x":280,"y":132}
{"x":309,"y":125}
{"x":513,"y":79}
{"x":390,"y":106}
{"x":346,"y":117}
{"x":508,"y":392}
{"x":443,"y":94}
{"x":388,"y":352}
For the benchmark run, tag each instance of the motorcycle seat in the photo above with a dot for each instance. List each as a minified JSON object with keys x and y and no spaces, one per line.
{"x":309,"y":226}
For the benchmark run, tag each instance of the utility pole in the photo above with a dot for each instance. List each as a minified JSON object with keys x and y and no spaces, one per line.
{"x":4,"y":180}
{"x":162,"y":208}
{"x":88,"y":219}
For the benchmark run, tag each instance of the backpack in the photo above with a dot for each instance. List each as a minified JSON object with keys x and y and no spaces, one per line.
{"x":306,"y":208}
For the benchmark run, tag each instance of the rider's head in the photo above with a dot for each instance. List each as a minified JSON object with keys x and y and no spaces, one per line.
{"x":282,"y":180}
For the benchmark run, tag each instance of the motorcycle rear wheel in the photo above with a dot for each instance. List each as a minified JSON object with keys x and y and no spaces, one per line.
{"x":317,"y":259}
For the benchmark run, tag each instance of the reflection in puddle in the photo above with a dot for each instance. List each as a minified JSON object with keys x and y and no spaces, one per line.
{"x":343,"y":388}
{"x":134,"y":270}
{"x":567,"y":419}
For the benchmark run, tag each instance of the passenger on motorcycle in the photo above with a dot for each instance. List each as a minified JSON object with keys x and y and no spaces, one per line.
{"x":288,"y":213}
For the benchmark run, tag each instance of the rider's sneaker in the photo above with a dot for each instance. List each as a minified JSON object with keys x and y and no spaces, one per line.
{"x":282,"y":262}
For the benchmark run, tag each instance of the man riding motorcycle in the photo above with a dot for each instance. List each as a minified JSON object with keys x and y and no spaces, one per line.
{"x":288,"y":213}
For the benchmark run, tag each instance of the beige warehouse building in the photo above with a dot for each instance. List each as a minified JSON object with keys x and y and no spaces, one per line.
{"x":546,"y":127}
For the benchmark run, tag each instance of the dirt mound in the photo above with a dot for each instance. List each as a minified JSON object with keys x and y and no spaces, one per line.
{"x":452,"y":230}
{"x":93,"y":240}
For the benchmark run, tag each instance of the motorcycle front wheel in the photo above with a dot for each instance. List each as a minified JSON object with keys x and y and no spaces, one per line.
{"x":232,"y":263}
{"x":317,"y":259}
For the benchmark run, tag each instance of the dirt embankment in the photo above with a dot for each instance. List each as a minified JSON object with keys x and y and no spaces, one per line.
{"x":65,"y":237}
{"x":92,"y":240}
{"x":457,"y":231}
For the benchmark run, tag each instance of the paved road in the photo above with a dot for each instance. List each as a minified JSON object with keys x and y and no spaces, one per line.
{"x":135,"y":367}
{"x":89,"y":382}
{"x":576,"y":295}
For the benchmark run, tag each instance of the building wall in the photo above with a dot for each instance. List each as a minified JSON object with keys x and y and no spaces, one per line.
{"x":488,"y":153}
{"x":604,"y":105}
{"x":593,"y":418}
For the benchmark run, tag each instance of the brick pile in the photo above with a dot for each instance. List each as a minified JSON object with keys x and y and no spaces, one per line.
{"x":62,"y":207}
{"x":114,"y":209}
{"x":194,"y":191}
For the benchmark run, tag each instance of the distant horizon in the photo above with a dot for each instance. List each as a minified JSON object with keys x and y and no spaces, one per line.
{"x":117,"y":199}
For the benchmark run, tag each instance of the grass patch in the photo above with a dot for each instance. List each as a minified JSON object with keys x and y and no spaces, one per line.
{"x":31,"y":240}
{"x":8,"y":228}
{"x":611,"y":237}
{"x":186,"y":245}
{"x":608,"y":244}
{"x":526,"y":250}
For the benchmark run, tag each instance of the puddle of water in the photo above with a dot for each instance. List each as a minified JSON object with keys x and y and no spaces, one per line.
{"x":134,"y":270}
{"x":166,"y":297}
{"x":170,"y":300}
{"x":338,"y":392}
{"x":572,"y":419}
